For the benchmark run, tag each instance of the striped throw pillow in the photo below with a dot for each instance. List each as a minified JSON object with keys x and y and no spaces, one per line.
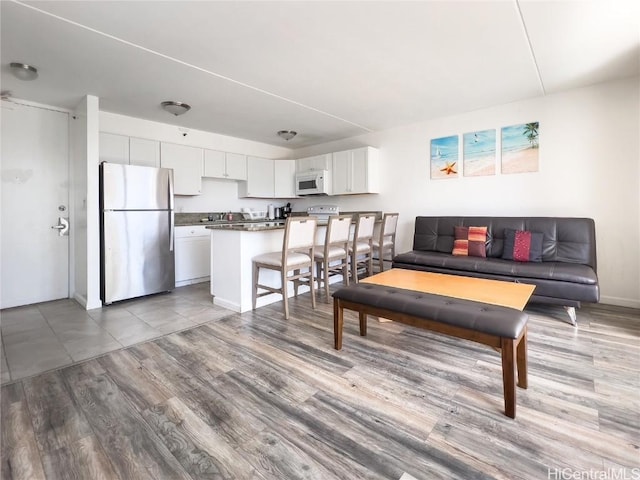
{"x":470,"y":241}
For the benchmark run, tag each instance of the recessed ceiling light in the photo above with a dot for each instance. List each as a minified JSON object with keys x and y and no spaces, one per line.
{"x":287,"y":134}
{"x":176,"y":108}
{"x":23,"y":71}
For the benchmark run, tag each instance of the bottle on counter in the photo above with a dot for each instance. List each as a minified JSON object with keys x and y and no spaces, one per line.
{"x":230,"y":216}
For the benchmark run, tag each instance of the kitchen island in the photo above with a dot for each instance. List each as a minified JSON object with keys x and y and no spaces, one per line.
{"x":233,"y":247}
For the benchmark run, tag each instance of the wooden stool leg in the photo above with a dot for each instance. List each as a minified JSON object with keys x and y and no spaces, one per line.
{"x":338,"y":321}
{"x":285,"y":297}
{"x":312,"y":285}
{"x":508,"y":349}
{"x":256,"y":271}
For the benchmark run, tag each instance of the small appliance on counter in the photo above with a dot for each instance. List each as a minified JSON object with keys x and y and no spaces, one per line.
{"x":323,"y":212}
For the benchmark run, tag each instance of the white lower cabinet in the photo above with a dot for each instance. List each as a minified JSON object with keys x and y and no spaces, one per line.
{"x":192,"y":255}
{"x":186,"y":163}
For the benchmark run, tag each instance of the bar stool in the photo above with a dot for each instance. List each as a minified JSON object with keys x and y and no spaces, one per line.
{"x":385,"y":241}
{"x":361,"y":250}
{"x":333,"y":258}
{"x":296,"y":255}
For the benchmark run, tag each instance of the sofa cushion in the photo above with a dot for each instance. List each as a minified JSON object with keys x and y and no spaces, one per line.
{"x":470,"y":241}
{"x":522,"y":245}
{"x":558,"y":271}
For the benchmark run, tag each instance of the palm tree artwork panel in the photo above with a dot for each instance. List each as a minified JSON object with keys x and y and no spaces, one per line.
{"x":520,"y":148}
{"x":479,"y":153}
{"x":444,"y":157}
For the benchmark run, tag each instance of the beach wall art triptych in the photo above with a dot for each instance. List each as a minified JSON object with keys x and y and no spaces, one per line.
{"x":519,"y":146}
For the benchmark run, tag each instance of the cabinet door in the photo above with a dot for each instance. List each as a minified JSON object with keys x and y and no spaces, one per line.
{"x":317,"y":162}
{"x":192,"y":254}
{"x":284,"y":172}
{"x":236,"y":166}
{"x":341,"y":173}
{"x":114,"y":148}
{"x":214,"y":164}
{"x":359,"y":171}
{"x":259,"y":178}
{"x":187,"y":167}
{"x":144,"y":152}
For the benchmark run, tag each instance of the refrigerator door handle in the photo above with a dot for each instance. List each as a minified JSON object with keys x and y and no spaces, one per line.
{"x":170,"y":189}
{"x":171,"y":230}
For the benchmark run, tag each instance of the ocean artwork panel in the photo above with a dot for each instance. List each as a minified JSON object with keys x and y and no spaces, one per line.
{"x":520,"y":147}
{"x":479,"y":153}
{"x":444,"y":157}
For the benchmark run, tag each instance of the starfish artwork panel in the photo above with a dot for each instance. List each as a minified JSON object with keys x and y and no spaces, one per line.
{"x":444,"y":157}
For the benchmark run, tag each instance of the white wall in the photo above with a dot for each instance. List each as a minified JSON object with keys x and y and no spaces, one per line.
{"x":78,"y":207}
{"x":85,"y":226}
{"x":589,"y":167}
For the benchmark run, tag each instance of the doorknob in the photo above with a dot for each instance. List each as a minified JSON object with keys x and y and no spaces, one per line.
{"x":62,"y":227}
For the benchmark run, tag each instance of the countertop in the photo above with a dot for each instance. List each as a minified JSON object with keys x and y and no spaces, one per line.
{"x":238,"y":223}
{"x":247,"y":226}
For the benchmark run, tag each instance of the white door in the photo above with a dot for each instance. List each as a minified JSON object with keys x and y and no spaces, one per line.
{"x":34,"y":259}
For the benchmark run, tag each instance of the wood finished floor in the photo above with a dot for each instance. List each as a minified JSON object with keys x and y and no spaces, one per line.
{"x":253,"y":396}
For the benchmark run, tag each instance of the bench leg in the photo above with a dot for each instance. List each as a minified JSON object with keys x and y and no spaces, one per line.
{"x":363,"y":323}
{"x":521,"y":355}
{"x":338,"y":321}
{"x":508,"y":349}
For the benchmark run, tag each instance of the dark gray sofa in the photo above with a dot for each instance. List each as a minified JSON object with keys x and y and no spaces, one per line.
{"x":566,"y":276}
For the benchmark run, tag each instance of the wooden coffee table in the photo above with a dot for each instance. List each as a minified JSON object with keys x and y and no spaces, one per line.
{"x":512,"y":344}
{"x":494,"y":292}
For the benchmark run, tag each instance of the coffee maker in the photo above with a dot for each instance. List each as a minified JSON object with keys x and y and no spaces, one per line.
{"x":286,"y":211}
{"x":283,"y":212}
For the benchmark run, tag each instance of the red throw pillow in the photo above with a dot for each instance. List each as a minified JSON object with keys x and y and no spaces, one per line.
{"x":522,"y":245}
{"x":470,"y":241}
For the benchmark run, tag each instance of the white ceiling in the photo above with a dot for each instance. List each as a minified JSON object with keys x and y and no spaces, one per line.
{"x":328,"y":70}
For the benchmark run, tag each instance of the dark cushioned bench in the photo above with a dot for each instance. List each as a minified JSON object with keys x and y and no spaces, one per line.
{"x":499,"y":327}
{"x":566,"y":275}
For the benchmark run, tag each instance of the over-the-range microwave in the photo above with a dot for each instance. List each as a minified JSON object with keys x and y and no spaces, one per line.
{"x":313,"y":182}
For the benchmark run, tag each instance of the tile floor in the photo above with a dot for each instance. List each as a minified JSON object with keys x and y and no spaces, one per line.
{"x":46,"y":336}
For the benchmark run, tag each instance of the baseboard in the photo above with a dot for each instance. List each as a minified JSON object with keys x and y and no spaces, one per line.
{"x":620,"y":302}
{"x":184,"y":283}
{"x":81,"y":299}
{"x":226,"y":304}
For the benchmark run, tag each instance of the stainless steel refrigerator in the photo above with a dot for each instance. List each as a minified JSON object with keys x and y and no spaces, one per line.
{"x":136,"y":231}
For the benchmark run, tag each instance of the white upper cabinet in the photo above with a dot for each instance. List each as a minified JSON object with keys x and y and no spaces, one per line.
{"x":236,"y":164}
{"x":232,"y":166}
{"x":144,"y":152}
{"x":214,"y":164}
{"x":187,"y":163}
{"x":317,"y":162}
{"x":114,"y":148}
{"x":129,"y":150}
{"x":260,"y":180}
{"x":284,"y":172}
{"x":356,"y":171}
